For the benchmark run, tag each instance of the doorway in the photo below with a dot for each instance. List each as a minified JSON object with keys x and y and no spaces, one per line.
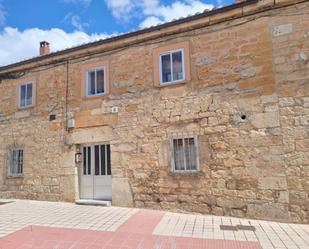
{"x":96,"y":175}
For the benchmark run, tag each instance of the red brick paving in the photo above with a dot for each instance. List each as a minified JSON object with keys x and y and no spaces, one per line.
{"x":135,"y":233}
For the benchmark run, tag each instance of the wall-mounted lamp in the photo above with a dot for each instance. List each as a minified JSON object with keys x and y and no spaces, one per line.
{"x":78,"y":157}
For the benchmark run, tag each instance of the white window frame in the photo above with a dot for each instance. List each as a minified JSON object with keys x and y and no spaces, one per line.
{"x":96,"y":84}
{"x":183,"y":66}
{"x":173,"y":166}
{"x":10,"y":162}
{"x":19,"y":95}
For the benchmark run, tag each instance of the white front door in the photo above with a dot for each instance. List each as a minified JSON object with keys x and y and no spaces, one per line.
{"x":96,"y":179}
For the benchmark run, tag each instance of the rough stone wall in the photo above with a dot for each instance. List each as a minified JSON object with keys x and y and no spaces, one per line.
{"x":291,"y":67}
{"x":247,"y":102}
{"x":45,"y":176}
{"x":233,"y":104}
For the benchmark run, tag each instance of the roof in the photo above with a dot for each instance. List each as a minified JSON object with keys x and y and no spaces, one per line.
{"x":197,"y":16}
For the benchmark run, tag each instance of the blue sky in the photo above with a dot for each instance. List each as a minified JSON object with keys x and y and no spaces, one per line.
{"x":67,"y":23}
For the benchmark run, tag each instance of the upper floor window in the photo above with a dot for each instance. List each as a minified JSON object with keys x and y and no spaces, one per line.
{"x":96,"y":82}
{"x":172,"y":66}
{"x":184,"y":154}
{"x":26,"y":95}
{"x":16,"y":162}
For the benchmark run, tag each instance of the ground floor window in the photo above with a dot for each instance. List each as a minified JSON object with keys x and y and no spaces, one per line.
{"x":184,"y":154}
{"x":15,"y":162}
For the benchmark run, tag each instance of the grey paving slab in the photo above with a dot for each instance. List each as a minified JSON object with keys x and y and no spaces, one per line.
{"x":271,"y":235}
{"x":23,"y":213}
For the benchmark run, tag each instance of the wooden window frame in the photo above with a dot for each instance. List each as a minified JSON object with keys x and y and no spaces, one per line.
{"x":173,"y":168}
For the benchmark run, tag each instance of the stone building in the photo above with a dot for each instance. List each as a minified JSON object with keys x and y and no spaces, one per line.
{"x":208,"y":114}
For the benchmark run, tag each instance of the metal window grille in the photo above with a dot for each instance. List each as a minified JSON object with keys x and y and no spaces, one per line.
{"x":101,"y":159}
{"x":184,"y":154}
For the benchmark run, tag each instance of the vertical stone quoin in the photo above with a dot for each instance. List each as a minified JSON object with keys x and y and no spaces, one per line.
{"x":290,"y":39}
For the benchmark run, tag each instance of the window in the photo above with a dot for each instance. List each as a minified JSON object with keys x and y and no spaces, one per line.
{"x":184,"y":154}
{"x":172,"y":67}
{"x":171,"y":64}
{"x":87,"y":161}
{"x":102,"y":164}
{"x":96,"y":82}
{"x":16,"y":162}
{"x":97,"y":160}
{"x":26,"y":95}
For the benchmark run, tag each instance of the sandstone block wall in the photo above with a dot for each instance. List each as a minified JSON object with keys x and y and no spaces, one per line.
{"x":234,"y":104}
{"x":247,"y":103}
{"x":45,"y":175}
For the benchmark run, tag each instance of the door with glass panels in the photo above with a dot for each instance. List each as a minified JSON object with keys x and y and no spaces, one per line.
{"x":96,"y":180}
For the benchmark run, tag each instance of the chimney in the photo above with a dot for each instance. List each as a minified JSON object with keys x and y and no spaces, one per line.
{"x":44,"y":48}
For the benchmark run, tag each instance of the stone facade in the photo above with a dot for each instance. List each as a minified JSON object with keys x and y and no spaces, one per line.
{"x":247,"y":102}
{"x":45,"y":176}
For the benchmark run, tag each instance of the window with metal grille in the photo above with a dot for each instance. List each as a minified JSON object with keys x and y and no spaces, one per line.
{"x":96,"y":82}
{"x":25,"y":95}
{"x":184,"y":154}
{"x":16,"y":162}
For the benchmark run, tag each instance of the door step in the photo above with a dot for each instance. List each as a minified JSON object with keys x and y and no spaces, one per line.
{"x":94,"y":203}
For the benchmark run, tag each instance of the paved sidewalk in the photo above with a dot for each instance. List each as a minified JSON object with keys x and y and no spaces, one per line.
{"x":271,"y":235}
{"x":33,"y":224}
{"x":22,"y":213}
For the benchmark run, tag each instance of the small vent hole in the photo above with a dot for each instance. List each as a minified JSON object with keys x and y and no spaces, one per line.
{"x":243,"y":117}
{"x":52,"y":117}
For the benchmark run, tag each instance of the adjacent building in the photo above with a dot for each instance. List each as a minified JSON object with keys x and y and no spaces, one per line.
{"x":207,"y":114}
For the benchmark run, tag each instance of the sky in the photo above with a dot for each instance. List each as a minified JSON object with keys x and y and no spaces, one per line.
{"x":67,"y":23}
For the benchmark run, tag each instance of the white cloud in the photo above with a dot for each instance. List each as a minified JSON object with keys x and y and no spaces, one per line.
{"x":121,"y":8}
{"x":177,"y":9}
{"x":18,"y":45}
{"x":150,"y":21}
{"x":153,"y":11}
{"x":75,"y":21}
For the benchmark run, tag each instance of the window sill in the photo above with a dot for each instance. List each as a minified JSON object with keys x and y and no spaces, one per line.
{"x":90,"y":97}
{"x":15,"y":176}
{"x":172,"y":83}
{"x":193,"y":172}
{"x":25,"y":107}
